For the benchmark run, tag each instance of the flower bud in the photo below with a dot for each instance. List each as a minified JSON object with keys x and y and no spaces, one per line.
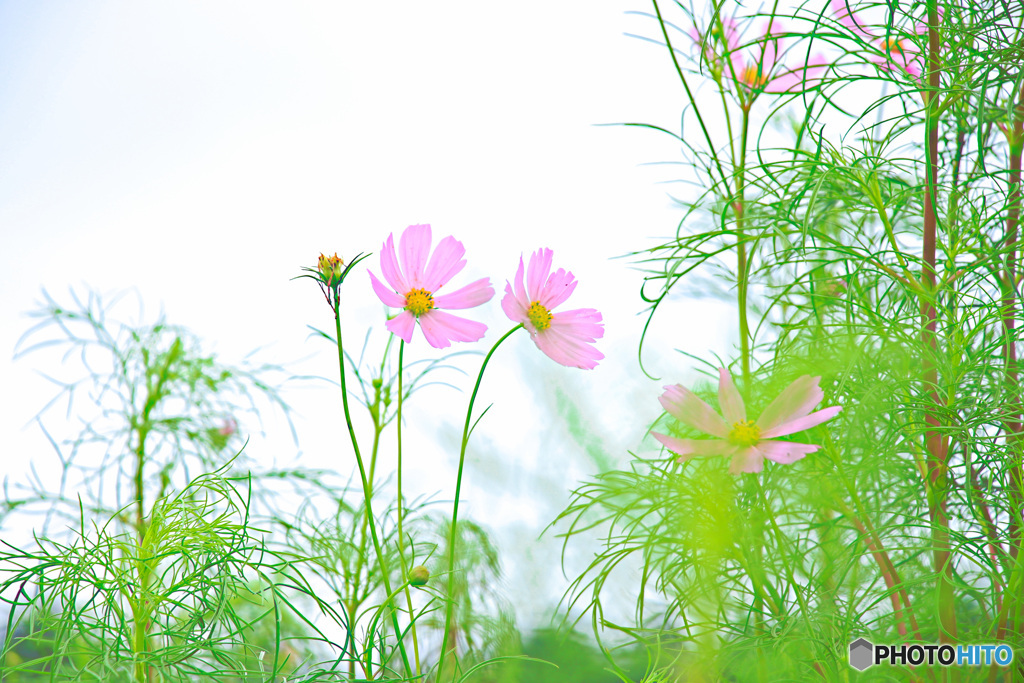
{"x":418,"y":576}
{"x":330,"y":268}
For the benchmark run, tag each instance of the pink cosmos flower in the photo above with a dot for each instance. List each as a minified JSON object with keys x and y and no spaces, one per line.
{"x":758,"y":71}
{"x":565,"y":337}
{"x":896,"y":52}
{"x":747,"y":442}
{"x":229,"y":427}
{"x":414,"y":286}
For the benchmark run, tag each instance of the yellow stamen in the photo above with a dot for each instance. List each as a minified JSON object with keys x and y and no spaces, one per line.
{"x":745,"y":433}
{"x":539,"y":316}
{"x":751,"y":77}
{"x":419,"y":301}
{"x":893,"y":45}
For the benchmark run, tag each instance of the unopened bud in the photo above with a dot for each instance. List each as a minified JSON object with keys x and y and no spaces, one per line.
{"x":418,"y":576}
{"x":330,"y":268}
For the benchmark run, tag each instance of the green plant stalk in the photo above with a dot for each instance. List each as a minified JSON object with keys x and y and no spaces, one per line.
{"x":367,"y":490}
{"x":742,"y":266}
{"x":140,"y":608}
{"x":1011,"y":598}
{"x":401,"y":513}
{"x":353,"y":603}
{"x":935,"y":445}
{"x":455,"y":508}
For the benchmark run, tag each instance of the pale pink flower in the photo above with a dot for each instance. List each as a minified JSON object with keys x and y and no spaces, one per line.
{"x":895,"y":51}
{"x":229,"y":427}
{"x":566,"y":337}
{"x":747,"y":442}
{"x":414,"y":285}
{"x":755,"y":67}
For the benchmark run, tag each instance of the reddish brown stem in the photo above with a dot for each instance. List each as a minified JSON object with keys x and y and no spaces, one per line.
{"x":1013,"y":424}
{"x":897,"y":593}
{"x":934,"y":443}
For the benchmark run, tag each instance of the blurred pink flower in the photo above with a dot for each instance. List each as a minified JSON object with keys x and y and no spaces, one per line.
{"x":565,"y":337}
{"x":760,"y":73}
{"x":415,"y":283}
{"x":897,"y":52}
{"x":747,"y":442}
{"x":229,"y":427}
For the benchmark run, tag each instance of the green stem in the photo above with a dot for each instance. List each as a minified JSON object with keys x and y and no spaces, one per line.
{"x":401,"y":508}
{"x":367,"y":491}
{"x":455,"y":509}
{"x":741,"y":255}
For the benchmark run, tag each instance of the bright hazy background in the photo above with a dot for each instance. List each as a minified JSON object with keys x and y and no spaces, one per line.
{"x":202,"y":152}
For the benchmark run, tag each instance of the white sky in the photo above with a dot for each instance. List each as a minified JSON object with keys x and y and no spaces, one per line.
{"x":204,"y":151}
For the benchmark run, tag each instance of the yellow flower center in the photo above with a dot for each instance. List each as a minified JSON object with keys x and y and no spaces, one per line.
{"x":893,"y":46}
{"x":539,"y":316}
{"x":419,"y":301}
{"x":750,"y":77}
{"x":745,"y":433}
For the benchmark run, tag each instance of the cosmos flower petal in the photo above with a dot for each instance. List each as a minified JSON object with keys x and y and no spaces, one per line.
{"x":445,"y":263}
{"x":732,"y":33}
{"x":747,"y":459}
{"x":520,"y":290}
{"x":389,"y":297}
{"x":413,"y":247}
{"x":537,"y":273}
{"x":694,"y":448}
{"x":389,"y":266}
{"x":688,"y":408}
{"x":440,"y":329}
{"x":729,"y":398}
{"x":567,"y":336}
{"x":785,"y":452}
{"x":841,"y":10}
{"x":473,"y":294}
{"x":796,"y":400}
{"x":568,"y":341}
{"x":421,"y":270}
{"x":799,"y":78}
{"x":402,"y":325}
{"x":802,"y":423}
{"x":739,"y":66}
{"x":513,"y":307}
{"x":771,"y":44}
{"x":557,"y":289}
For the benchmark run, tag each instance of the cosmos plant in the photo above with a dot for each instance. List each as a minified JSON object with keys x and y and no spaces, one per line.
{"x":874,"y":283}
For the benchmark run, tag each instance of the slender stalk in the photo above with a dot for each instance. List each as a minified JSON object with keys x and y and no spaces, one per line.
{"x":455,"y":508}
{"x":742,"y":267}
{"x":1013,"y":426}
{"x":401,"y":511}
{"x":935,"y":443}
{"x":367,"y":490}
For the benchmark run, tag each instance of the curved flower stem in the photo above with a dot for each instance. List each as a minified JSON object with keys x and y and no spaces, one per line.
{"x":367,"y":491}
{"x":455,"y":509}
{"x":401,"y":515}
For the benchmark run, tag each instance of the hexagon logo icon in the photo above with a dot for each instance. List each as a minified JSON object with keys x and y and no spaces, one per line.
{"x":861,"y":654}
